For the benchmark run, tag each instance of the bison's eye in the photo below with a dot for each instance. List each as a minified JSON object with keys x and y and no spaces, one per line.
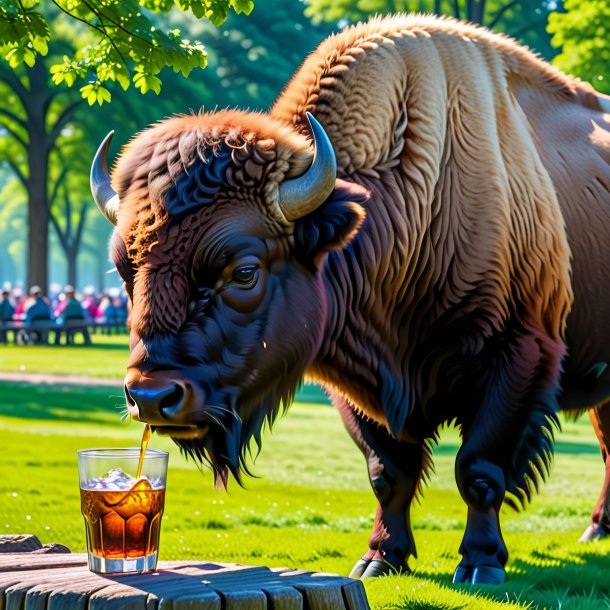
{"x":245,"y":275}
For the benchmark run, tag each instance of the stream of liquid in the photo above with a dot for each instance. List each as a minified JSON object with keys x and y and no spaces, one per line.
{"x":145,"y":438}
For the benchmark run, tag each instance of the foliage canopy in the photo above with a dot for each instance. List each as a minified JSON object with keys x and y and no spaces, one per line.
{"x":583,"y":32}
{"x":121,"y":40}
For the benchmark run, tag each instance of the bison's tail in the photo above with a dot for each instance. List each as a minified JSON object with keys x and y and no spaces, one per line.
{"x":533,"y":454}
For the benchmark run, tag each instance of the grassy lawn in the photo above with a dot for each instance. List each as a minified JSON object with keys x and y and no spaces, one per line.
{"x":106,"y":357}
{"x":311,"y":506}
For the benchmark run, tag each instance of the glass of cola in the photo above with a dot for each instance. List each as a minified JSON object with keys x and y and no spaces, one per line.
{"x":122,"y":513}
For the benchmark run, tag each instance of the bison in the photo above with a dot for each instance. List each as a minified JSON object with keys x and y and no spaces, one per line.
{"x":432,"y":247}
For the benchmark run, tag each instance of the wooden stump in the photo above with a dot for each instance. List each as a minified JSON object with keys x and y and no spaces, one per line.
{"x":28,"y":543}
{"x":63,"y":582}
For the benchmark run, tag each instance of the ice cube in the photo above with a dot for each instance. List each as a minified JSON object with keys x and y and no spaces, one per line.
{"x":118,"y":479}
{"x":114,"y":480}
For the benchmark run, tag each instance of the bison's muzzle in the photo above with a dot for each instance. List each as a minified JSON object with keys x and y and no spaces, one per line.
{"x":166,"y":400}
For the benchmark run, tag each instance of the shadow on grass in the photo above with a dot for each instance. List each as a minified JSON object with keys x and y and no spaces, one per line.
{"x":69,"y":403}
{"x":85,"y":404}
{"x":552,"y":578}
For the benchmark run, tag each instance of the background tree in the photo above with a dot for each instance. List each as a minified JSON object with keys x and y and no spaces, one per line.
{"x":103,"y":41}
{"x":248,"y":66}
{"x":34,"y":115}
{"x":12,"y":222}
{"x":125,"y":43}
{"x":523,"y":19}
{"x":69,"y":204}
{"x":252,"y":58}
{"x":583,"y":33}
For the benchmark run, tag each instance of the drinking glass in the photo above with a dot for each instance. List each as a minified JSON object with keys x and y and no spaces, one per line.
{"x":122,"y":514}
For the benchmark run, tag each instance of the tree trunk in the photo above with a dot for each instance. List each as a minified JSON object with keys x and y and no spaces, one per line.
{"x":101,"y":272}
{"x":38,"y":219}
{"x":38,"y":161}
{"x":72,"y":259}
{"x":476,"y":11}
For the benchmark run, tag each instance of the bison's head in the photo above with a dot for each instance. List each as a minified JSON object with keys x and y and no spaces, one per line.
{"x":223,"y":222}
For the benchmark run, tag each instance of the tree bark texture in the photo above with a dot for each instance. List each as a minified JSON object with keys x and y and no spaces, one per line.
{"x":38,"y":165}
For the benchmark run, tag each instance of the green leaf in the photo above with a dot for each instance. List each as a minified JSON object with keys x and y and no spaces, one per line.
{"x":103,"y":95}
{"x":40,"y":45}
{"x":242,"y":6}
{"x":122,"y":77}
{"x":123,"y":43}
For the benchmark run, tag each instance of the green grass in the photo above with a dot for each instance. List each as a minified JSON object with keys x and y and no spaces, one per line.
{"x":311,"y":506}
{"x":107,"y":357}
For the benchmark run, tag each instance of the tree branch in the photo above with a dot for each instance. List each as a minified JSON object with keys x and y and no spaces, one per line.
{"x":500,"y":13}
{"x":11,"y":79}
{"x":63,"y":118}
{"x":101,"y":16}
{"x":68,"y":205}
{"x":101,"y":30}
{"x":530,"y":26}
{"x":59,"y":232}
{"x":14,"y":134}
{"x":57,"y":91}
{"x":13,"y":117}
{"x":56,"y":186}
{"x":84,"y":208}
{"x":18,"y":172}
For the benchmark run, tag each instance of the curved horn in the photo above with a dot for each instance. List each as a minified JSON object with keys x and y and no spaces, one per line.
{"x":302,"y":195}
{"x":105,"y":197}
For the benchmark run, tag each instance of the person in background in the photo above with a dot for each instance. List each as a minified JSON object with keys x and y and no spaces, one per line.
{"x":6,"y":307}
{"x":37,"y":311}
{"x":69,"y":310}
{"x":90,"y":301}
{"x":37,"y":308}
{"x":69,"y":307}
{"x":19,"y":302}
{"x":6,"y":312}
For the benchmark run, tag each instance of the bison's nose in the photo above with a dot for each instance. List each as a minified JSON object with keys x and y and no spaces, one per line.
{"x":159,"y":399}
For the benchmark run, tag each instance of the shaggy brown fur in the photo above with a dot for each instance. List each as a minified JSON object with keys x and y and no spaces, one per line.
{"x":424,"y":108}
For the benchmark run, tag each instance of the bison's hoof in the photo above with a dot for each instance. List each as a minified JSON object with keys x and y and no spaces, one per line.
{"x":462,"y":574}
{"x":486,"y":575}
{"x":594,"y":532}
{"x":360,"y":568}
{"x":481,"y":575}
{"x":377,"y":568}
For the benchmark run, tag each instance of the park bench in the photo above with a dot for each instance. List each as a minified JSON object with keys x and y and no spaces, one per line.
{"x":43,"y":579}
{"x":20,"y":332}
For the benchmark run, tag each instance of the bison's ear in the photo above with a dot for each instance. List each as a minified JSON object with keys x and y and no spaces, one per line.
{"x":333,"y":224}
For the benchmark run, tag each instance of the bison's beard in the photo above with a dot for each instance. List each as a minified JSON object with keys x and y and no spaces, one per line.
{"x":227,"y":445}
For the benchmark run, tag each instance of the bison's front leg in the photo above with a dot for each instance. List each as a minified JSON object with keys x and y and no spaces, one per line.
{"x":395,"y":470}
{"x":600,"y":520}
{"x":484,"y":554}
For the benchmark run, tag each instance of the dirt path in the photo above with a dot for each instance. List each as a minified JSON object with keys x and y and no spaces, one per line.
{"x":43,"y":378}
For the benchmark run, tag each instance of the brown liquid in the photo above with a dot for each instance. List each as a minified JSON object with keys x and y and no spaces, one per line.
{"x":143,"y":445}
{"x":123,"y":523}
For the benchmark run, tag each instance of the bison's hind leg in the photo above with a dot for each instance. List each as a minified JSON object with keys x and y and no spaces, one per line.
{"x":395,"y":471}
{"x":507,"y":446}
{"x":600,"y":520}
